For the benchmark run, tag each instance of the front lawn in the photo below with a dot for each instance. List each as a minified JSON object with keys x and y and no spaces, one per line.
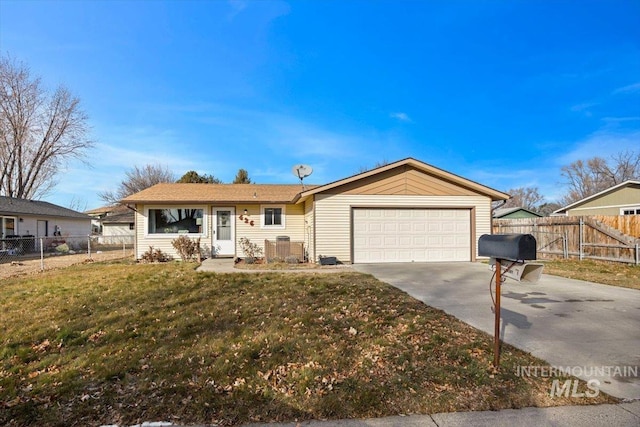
{"x":608,"y":273}
{"x":122,"y":343}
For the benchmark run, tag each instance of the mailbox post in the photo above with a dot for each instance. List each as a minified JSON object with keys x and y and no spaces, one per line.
{"x":496,"y":316}
{"x":504,"y":248}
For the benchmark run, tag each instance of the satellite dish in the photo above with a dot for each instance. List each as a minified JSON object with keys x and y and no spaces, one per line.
{"x":301,"y":171}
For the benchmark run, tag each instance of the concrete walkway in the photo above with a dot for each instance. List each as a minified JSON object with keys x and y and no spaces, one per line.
{"x":622,"y":415}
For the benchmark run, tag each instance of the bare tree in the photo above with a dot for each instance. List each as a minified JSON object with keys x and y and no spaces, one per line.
{"x":196,"y":178}
{"x":137,"y":179}
{"x":77,"y":204}
{"x":242,"y":177}
{"x":623,"y":167}
{"x":524,"y":197}
{"x":584,"y":179}
{"x":379,"y":164}
{"x":548,"y":208}
{"x":39,"y":132}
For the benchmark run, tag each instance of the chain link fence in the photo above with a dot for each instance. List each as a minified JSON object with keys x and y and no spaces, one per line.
{"x":54,"y":250}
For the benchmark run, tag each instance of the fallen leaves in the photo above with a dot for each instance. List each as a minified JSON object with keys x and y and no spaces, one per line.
{"x":236,"y":348}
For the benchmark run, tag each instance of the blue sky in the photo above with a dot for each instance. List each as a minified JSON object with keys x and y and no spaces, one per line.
{"x":501,"y":92}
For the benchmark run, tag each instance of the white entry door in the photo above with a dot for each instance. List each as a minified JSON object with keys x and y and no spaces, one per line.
{"x":224,"y":243}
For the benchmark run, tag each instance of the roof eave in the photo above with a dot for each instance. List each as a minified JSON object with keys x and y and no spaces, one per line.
{"x":211,"y":202}
{"x":472,"y":185}
{"x":564,"y":209}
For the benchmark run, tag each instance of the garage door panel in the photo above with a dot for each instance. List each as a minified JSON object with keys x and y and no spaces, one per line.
{"x":405,"y":227}
{"x":418,"y":241}
{"x":391,"y":241}
{"x":461,"y":241}
{"x":418,"y":213}
{"x":419,"y":227}
{"x":406,"y":241}
{"x":405,"y":235}
{"x":390,"y":227}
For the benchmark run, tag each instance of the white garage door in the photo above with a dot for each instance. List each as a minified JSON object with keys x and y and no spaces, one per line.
{"x":411,"y":235}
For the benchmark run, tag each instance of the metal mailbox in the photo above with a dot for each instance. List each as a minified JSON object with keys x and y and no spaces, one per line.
{"x":508,"y":253}
{"x":508,"y":246}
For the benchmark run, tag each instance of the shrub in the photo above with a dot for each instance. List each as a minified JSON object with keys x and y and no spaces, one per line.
{"x":63,"y":248}
{"x":251,"y":250}
{"x":155,"y":255}
{"x":187,"y":249}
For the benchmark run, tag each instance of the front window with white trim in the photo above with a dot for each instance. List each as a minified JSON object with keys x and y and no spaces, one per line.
{"x":175,"y":221}
{"x":273,"y":216}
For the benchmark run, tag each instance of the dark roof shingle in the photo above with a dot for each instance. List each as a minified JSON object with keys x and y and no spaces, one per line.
{"x":13,"y":206}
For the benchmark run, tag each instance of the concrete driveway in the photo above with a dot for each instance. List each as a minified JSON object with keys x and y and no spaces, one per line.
{"x":591,"y":328}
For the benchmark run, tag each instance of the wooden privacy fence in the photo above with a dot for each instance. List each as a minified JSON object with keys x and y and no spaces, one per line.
{"x":581,"y":237}
{"x":626,"y":224}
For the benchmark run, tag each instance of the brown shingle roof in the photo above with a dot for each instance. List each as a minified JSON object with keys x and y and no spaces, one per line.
{"x":107,"y":209}
{"x":120,"y":218}
{"x":216,"y":193}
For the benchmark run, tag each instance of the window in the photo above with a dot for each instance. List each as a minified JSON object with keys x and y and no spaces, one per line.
{"x":632,"y":211}
{"x":7,"y":226}
{"x":175,"y":220}
{"x":131,"y":226}
{"x":273,"y":216}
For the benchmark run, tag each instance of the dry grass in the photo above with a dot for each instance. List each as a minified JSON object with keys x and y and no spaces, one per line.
{"x":278,"y":266}
{"x":122,"y":343}
{"x":608,"y":273}
{"x":26,"y":266}
{"x":260,"y":265}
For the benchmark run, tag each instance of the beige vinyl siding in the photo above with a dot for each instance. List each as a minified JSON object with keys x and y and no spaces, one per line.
{"x":163,"y":242}
{"x":294,"y":216}
{"x":116,"y":230}
{"x":333,"y":216}
{"x":404,"y":180}
{"x":309,"y":218}
{"x":294,"y":228}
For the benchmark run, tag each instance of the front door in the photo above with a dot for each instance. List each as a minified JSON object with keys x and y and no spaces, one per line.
{"x":43,"y":230}
{"x":224,"y":243}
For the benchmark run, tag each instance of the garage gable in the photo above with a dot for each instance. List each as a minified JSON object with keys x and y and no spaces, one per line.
{"x":407,"y":177}
{"x":403,"y":180}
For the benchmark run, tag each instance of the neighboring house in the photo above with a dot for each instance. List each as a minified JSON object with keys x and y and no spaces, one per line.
{"x":621,"y":199}
{"x":401,"y":212}
{"x":21,"y":217}
{"x":96,"y":215}
{"x":119,"y":225}
{"x":514,"y":213}
{"x":110,"y":221}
